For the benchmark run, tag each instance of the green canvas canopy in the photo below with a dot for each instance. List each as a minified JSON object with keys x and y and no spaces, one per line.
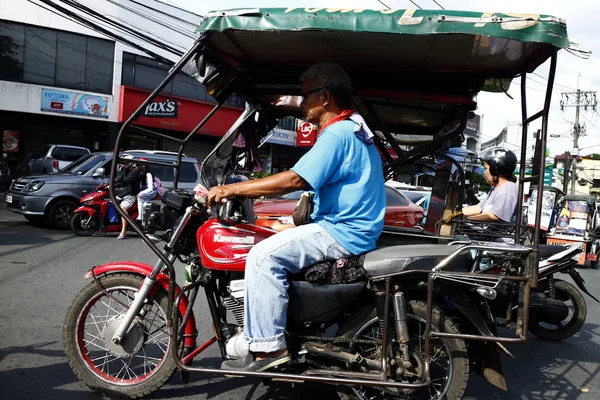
{"x":501,"y":45}
{"x":417,"y":69}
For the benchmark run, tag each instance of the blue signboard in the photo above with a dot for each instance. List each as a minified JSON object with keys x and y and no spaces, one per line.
{"x":60,"y":101}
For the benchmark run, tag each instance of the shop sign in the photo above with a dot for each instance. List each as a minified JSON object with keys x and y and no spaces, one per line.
{"x":161,"y":109}
{"x":60,"y":101}
{"x":10,"y":142}
{"x":306,"y":136}
{"x":175,"y":113}
{"x":281,"y":136}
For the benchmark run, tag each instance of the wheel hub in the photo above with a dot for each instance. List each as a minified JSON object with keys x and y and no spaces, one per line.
{"x":130,"y":344}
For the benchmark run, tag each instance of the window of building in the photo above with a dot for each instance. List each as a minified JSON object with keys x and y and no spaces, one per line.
{"x":288,"y":123}
{"x":44,"y":56}
{"x":147,"y":73}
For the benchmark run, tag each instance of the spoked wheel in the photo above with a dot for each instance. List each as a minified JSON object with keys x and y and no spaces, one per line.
{"x":449,"y":368}
{"x":568,"y":294}
{"x":139,"y":365}
{"x":84,"y":225}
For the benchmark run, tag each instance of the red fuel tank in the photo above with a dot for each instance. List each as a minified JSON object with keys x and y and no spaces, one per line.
{"x":226,"y":247}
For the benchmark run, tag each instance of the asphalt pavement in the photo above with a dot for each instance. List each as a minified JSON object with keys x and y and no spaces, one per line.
{"x":42,"y":269}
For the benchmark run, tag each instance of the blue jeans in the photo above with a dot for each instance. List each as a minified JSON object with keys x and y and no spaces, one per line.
{"x":266,"y":285}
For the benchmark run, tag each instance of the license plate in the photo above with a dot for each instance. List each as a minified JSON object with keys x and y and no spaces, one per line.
{"x":8,"y":198}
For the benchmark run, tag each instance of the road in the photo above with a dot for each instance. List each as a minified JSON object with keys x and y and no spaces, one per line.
{"x":41,"y":271}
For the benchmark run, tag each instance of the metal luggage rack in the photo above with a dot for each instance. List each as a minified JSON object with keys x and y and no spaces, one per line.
{"x":493,"y":231}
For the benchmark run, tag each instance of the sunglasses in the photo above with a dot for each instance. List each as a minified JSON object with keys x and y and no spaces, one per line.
{"x":308,"y":92}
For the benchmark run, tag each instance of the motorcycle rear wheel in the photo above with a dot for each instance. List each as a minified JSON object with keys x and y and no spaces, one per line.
{"x":137,"y":367}
{"x":569,"y":294}
{"x":449,"y":358}
{"x":78,"y":226}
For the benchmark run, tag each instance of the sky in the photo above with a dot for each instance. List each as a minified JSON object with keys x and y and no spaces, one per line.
{"x":497,"y":110}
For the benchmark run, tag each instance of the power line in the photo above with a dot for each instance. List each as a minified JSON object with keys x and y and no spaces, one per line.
{"x":106,"y":32}
{"x":439,"y":5}
{"x":555,"y":83}
{"x":388,"y":7}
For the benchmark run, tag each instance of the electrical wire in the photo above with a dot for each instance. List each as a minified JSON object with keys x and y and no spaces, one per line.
{"x":439,"y":5}
{"x":169,"y":15}
{"x":131,"y":31}
{"x":555,"y":83}
{"x":388,"y":7}
{"x":104,"y":31}
{"x":155,"y":20}
{"x":418,"y":6}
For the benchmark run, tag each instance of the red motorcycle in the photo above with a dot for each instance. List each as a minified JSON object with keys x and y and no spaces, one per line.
{"x":98,"y":214}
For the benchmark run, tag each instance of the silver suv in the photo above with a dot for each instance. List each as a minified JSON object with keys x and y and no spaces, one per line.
{"x":54,"y":197}
{"x":54,"y":157}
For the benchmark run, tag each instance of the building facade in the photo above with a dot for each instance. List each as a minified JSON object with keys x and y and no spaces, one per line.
{"x":62,"y":83}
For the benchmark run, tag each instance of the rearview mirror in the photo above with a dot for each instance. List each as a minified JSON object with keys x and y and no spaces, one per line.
{"x":99,"y":172}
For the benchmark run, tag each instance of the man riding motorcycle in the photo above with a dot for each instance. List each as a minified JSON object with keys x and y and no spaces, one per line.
{"x":344,"y":170}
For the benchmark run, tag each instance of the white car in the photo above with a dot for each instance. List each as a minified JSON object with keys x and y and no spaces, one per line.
{"x":54,"y":157}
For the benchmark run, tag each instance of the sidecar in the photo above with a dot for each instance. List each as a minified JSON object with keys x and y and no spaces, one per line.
{"x":576,"y":222}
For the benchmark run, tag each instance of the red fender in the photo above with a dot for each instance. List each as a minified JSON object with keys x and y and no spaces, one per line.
{"x":86,"y":209}
{"x":162,"y":279}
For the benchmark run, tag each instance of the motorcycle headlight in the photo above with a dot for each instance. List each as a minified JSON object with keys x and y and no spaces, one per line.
{"x":87,"y":203}
{"x":33,"y":186}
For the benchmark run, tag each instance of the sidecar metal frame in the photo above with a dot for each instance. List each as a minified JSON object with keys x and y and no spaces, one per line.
{"x":222,"y":41}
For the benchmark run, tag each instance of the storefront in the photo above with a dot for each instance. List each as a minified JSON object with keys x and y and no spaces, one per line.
{"x":177,"y":117}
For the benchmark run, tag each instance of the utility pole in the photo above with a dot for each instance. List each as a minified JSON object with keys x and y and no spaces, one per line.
{"x":585,"y":100}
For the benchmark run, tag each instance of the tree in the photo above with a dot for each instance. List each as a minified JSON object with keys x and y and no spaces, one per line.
{"x":12,"y":68}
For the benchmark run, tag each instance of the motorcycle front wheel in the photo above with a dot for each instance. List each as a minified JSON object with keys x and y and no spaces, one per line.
{"x":449,"y":360}
{"x":570,"y":295}
{"x":142,"y":362}
{"x":83,"y":225}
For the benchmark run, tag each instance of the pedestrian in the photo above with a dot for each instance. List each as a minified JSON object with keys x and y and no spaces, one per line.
{"x":130,"y":182}
{"x":147,"y":193}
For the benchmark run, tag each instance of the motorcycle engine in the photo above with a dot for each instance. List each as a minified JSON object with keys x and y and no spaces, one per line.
{"x":235,"y":301}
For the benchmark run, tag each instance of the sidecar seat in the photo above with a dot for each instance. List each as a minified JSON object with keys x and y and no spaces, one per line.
{"x":417,"y":257}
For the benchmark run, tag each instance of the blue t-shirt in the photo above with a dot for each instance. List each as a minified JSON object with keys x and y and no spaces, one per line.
{"x":346,"y":175}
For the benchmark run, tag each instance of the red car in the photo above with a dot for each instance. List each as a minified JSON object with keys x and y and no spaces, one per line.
{"x":400,"y":211}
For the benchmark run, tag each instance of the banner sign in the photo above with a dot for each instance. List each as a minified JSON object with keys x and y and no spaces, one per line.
{"x":10,"y":142}
{"x":60,"y":101}
{"x":281,"y":136}
{"x":573,"y":218}
{"x":307,"y":135}
{"x":547,"y":210}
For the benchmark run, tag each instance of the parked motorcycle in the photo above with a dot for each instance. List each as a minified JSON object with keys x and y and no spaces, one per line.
{"x":97,"y":214}
{"x":558,"y":309}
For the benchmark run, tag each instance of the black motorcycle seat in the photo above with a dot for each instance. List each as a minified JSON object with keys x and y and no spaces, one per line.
{"x":416,"y":257}
{"x":548,"y":250}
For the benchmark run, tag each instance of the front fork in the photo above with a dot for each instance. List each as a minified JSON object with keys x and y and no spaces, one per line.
{"x":141,"y":296}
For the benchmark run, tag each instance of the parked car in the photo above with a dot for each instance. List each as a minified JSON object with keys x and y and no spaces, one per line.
{"x":400,"y":211}
{"x":54,"y":157}
{"x":5,"y":177}
{"x":54,"y":197}
{"x":419,"y":197}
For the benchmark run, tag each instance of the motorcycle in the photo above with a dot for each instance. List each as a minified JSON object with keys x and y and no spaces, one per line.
{"x":557,"y":310}
{"x":97,"y":213}
{"x":415,"y":319}
{"x":118,"y":342}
